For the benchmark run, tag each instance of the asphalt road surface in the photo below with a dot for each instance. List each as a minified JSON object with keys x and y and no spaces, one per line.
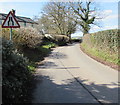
{"x":70,"y":76}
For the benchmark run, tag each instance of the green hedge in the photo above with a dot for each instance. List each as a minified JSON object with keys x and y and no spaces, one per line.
{"x":15,"y":73}
{"x":103,"y":40}
{"x":103,"y":44}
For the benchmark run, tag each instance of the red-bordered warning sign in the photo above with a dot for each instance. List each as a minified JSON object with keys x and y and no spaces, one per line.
{"x":10,"y":21}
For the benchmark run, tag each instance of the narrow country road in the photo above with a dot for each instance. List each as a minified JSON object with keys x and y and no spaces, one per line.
{"x":70,"y":76}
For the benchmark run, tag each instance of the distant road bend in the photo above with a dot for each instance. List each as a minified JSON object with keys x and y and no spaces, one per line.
{"x":70,"y":76}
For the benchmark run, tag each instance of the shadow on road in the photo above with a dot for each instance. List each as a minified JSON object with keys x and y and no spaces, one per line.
{"x":70,"y":91}
{"x":67,"y":68}
{"x":51,"y":64}
{"x":51,"y":88}
{"x":56,"y":55}
{"x":106,"y":93}
{"x":48,"y":64}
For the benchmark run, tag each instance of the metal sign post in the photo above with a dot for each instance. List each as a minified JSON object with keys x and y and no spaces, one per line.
{"x":10,"y":22}
{"x":10,"y":33}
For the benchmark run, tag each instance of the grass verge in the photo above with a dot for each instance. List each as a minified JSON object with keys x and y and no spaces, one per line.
{"x":102,"y":56}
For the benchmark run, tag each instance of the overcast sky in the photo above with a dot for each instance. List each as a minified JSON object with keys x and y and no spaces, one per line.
{"x":31,"y":8}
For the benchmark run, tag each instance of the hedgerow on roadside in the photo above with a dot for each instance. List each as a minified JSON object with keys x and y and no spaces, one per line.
{"x":15,"y":74}
{"x":60,"y":40}
{"x":19,"y":60}
{"x":17,"y":68}
{"x":103,"y":44}
{"x":24,"y":37}
{"x":105,"y":40}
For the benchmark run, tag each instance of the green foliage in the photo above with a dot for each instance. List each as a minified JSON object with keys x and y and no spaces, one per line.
{"x":49,"y":45}
{"x":105,"y":40}
{"x":38,"y":53}
{"x":82,"y":12}
{"x":101,"y":54}
{"x":103,"y":44}
{"x":15,"y":73}
{"x":35,"y":54}
{"x":31,"y":67}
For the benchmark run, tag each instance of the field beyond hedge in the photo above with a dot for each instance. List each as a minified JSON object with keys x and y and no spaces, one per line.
{"x":103,"y":46}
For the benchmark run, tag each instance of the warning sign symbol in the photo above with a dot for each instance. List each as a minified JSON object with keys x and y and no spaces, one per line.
{"x":10,"y":21}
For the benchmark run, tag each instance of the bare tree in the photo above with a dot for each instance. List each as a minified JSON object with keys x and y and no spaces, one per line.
{"x":62,"y":17}
{"x":58,"y":14}
{"x":55,"y":13}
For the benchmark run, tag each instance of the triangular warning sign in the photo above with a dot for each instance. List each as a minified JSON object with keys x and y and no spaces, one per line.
{"x":10,"y":21}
